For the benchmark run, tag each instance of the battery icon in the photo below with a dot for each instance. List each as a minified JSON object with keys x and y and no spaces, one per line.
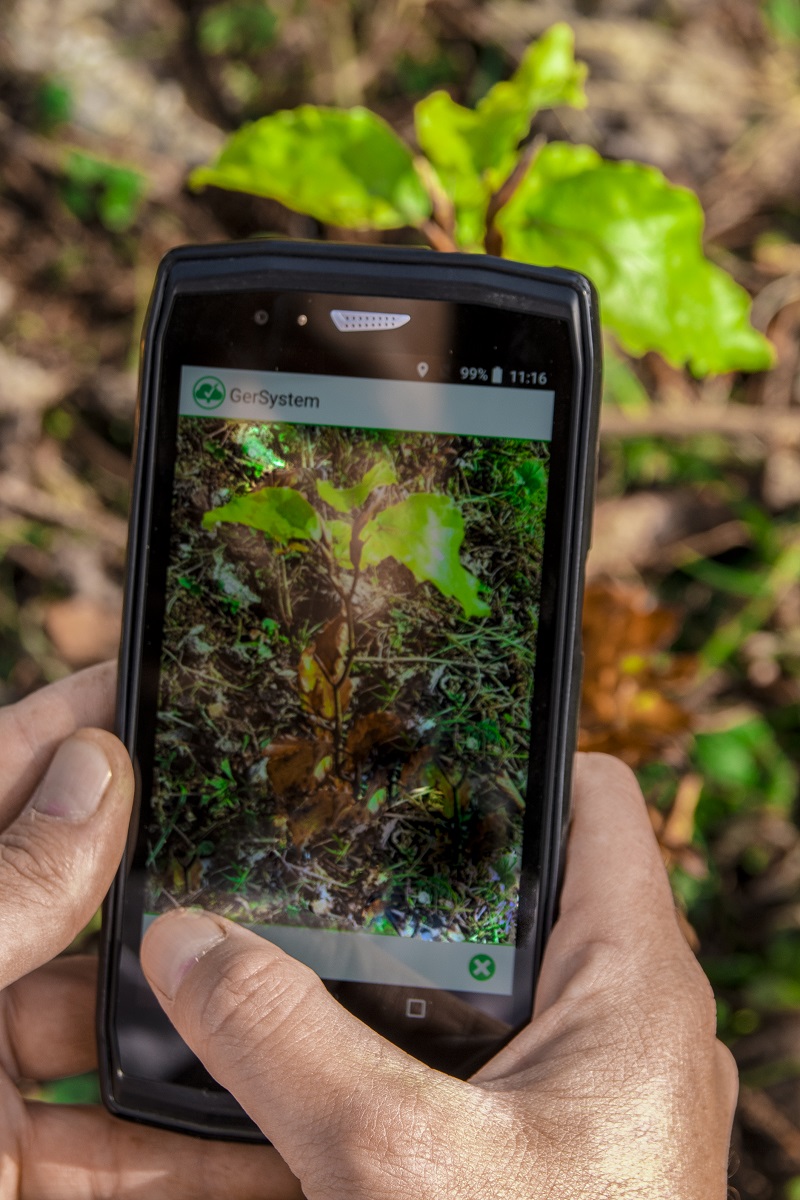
{"x":497,"y":374}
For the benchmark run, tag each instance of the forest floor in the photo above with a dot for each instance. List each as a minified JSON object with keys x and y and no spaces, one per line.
{"x":693,"y":608}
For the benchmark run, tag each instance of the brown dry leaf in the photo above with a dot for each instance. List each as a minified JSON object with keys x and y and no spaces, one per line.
{"x":294,"y":763}
{"x":328,"y":808}
{"x":194,"y":876}
{"x":331,"y":647}
{"x":631,"y":705}
{"x":491,"y":835}
{"x":372,"y":730}
{"x":320,"y":668}
{"x":511,"y":792}
{"x":82,"y":631}
{"x":413,"y":772}
{"x":316,"y":692}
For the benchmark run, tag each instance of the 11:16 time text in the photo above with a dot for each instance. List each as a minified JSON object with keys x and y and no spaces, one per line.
{"x":528,"y":378}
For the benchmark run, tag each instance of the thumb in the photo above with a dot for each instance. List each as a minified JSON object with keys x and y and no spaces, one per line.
{"x":303,"y":1068}
{"x":616,"y":910}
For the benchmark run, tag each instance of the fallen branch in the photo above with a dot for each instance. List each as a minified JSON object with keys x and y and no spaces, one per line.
{"x":732,"y":420}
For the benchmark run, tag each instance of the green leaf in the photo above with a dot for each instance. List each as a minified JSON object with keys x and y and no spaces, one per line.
{"x":547,"y":77}
{"x":344,"y":500}
{"x":76,"y":1089}
{"x":447,"y":131}
{"x":238,"y":27}
{"x":621,"y":386}
{"x":254,"y":447}
{"x":342,"y":166}
{"x":473,"y":151}
{"x":784,"y":18}
{"x":776,"y":984}
{"x":377,"y":799}
{"x":425,"y":533}
{"x":532,"y":475}
{"x":639,"y":239}
{"x":282,"y":513}
{"x":54,"y":104}
{"x":727,"y":758}
{"x":744,"y":766}
{"x":340,"y":534}
{"x":734,"y":580}
{"x":110,"y":190}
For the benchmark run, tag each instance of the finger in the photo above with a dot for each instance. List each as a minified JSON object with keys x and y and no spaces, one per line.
{"x":308,"y":1073}
{"x":47,"y":1021}
{"x":616,"y":934}
{"x":31,"y":730}
{"x":85,"y":1154}
{"x":616,"y":894}
{"x":58,"y":858}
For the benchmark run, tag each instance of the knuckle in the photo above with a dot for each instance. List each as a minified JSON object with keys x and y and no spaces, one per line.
{"x":609,"y":770}
{"x":685,"y":1000}
{"x":693,"y":1006}
{"x":728,"y":1072}
{"x":255,"y":1000}
{"x":31,"y":863}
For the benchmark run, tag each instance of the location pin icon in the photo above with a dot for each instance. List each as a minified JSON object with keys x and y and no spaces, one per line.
{"x":422,"y":369}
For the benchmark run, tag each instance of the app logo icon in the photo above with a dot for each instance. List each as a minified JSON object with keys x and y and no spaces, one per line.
{"x":208,"y":392}
{"x":422,"y":369}
{"x":481,"y":966}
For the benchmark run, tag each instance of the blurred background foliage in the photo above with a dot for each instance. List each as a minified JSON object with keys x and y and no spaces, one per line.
{"x":693,"y":605}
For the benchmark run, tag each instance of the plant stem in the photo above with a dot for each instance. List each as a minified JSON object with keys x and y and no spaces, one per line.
{"x":284,"y":599}
{"x":437,"y":237}
{"x":440,"y":230}
{"x":493,"y":240}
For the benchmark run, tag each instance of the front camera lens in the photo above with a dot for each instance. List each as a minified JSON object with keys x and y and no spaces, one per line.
{"x":260,"y":316}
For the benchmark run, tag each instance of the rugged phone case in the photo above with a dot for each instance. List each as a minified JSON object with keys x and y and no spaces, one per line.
{"x":363,"y":270}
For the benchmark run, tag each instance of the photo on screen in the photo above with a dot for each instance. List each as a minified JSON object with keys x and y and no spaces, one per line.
{"x":343,"y":726}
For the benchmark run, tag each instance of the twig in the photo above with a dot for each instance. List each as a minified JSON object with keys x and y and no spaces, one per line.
{"x":493,"y":241}
{"x":733,"y":420}
{"x":762,"y":1114}
{"x":444,"y":213}
{"x":437,"y":237}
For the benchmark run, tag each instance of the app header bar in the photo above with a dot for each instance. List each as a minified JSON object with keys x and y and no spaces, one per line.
{"x":474,"y":409}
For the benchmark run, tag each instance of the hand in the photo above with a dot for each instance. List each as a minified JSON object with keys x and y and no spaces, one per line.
{"x":617,"y":1088}
{"x":65,"y":800}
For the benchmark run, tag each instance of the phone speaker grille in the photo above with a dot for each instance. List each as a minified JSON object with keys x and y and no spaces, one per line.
{"x":355,"y":320}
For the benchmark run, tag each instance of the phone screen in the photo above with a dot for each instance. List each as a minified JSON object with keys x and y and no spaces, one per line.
{"x":337,"y":743}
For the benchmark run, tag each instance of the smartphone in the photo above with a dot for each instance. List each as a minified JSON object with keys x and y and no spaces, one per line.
{"x":351,"y":657}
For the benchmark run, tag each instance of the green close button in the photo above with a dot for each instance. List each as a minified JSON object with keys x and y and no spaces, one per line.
{"x":481,"y":966}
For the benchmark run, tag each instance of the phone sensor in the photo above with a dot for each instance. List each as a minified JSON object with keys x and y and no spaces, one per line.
{"x":356,"y":320}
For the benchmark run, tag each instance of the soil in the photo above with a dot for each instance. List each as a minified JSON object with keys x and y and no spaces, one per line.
{"x":379,"y":781}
